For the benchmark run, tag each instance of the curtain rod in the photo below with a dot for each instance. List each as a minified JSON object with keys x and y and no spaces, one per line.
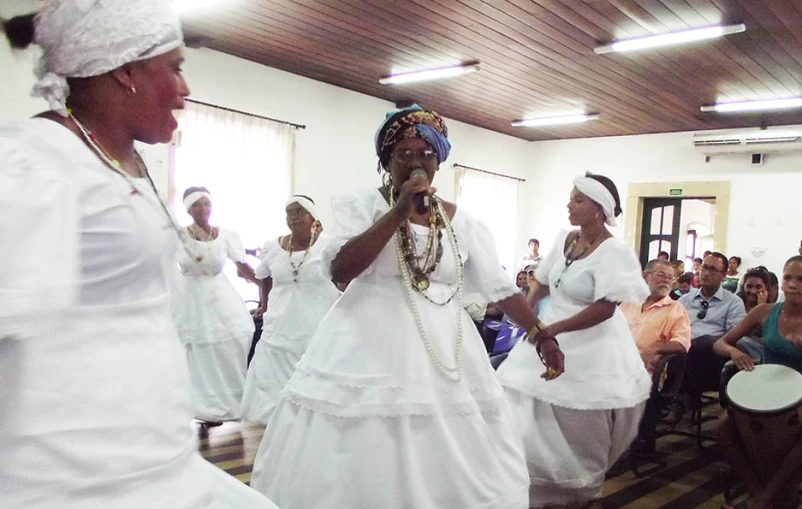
{"x":297,"y":126}
{"x":457,"y":165}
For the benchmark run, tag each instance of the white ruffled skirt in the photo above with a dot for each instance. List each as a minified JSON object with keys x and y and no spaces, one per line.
{"x":216,"y":329}
{"x":367,"y":421}
{"x":270,"y":370}
{"x":569,"y":451}
{"x":318,"y":460}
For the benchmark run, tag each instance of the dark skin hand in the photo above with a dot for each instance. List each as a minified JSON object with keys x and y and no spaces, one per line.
{"x":361,"y":251}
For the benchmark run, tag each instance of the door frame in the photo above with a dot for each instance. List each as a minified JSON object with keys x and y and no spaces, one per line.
{"x":633,"y":215}
{"x":672,"y":238}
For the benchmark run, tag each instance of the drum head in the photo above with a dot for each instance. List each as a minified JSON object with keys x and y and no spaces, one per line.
{"x":769,"y":388}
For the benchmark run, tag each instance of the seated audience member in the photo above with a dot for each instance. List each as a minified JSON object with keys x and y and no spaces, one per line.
{"x":684,"y":285}
{"x":532,"y":259}
{"x":317,"y":229}
{"x":733,"y":280}
{"x":775,"y":295}
{"x":713,"y":312}
{"x":659,"y":326}
{"x":679,"y":268}
{"x":782,"y":326}
{"x":697,"y":266}
{"x":706,"y":254}
{"x":753,"y":293}
{"x":755,"y":289}
{"x":663,"y":255}
{"x":522,"y":282}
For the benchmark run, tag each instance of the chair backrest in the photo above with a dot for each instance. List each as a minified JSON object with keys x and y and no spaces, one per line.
{"x":674,"y":366}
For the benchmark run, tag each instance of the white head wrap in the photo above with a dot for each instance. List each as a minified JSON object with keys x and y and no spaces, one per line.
{"x":306,"y":203}
{"x":84,"y":38}
{"x":596,"y":191}
{"x":191,"y":198}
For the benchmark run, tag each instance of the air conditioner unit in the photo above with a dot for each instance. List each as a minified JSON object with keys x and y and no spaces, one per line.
{"x":751,"y":142}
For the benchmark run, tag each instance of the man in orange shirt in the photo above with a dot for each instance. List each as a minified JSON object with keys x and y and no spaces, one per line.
{"x":660,"y":326}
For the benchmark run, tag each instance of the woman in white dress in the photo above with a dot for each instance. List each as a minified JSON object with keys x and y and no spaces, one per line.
{"x":394,"y":404}
{"x":577,"y":426}
{"x":212,"y":320}
{"x":295,"y":297}
{"x":94,"y":392}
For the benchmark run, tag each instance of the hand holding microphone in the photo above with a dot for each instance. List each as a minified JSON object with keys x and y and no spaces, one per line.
{"x":415,"y":193}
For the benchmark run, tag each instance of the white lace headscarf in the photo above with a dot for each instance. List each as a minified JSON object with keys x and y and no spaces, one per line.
{"x":84,"y":38}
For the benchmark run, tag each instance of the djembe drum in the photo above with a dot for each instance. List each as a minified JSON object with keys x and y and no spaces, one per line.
{"x":766,"y":407}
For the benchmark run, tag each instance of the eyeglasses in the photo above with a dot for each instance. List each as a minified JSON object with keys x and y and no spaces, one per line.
{"x":663,"y":275}
{"x":703,"y":313}
{"x":711,"y":269}
{"x":406,"y":155}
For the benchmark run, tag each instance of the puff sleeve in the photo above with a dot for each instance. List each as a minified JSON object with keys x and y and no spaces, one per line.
{"x":619,"y":277}
{"x":483,"y":271}
{"x":353,"y":215}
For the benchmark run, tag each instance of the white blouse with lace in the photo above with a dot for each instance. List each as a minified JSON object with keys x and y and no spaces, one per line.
{"x":367,"y":420}
{"x":603,"y":369}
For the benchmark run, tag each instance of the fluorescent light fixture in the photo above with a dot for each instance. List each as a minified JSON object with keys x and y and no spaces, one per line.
{"x":431,"y":74}
{"x":769,"y":104}
{"x":670,"y":39}
{"x":558,"y":120}
{"x":182,"y":6}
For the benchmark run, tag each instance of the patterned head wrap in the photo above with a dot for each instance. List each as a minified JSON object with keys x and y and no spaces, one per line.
{"x":412,"y":122}
{"x":84,"y":38}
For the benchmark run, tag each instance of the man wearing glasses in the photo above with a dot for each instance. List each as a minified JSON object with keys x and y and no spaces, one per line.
{"x":713,"y":312}
{"x":659,"y":326}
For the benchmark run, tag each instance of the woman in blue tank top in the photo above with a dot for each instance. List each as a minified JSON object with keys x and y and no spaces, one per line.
{"x":782,"y":337}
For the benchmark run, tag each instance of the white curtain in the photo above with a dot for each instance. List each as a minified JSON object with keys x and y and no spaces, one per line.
{"x":246,"y":163}
{"x":494,"y":200}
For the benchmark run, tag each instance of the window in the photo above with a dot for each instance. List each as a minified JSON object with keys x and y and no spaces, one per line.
{"x":494,"y":200}
{"x":246,"y":163}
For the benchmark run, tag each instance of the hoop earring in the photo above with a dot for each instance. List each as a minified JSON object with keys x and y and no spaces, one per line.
{"x":387,"y":179}
{"x":132,"y":91}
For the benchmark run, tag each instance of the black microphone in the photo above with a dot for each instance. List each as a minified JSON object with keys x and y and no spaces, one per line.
{"x":421,"y":199}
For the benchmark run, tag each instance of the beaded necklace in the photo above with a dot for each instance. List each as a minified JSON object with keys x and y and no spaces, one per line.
{"x":115,"y":166}
{"x":209,"y":236}
{"x":453,"y":373}
{"x":297,"y":268}
{"x":570,"y":258}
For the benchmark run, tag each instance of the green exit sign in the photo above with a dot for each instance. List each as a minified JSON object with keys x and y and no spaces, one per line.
{"x":675,"y":192}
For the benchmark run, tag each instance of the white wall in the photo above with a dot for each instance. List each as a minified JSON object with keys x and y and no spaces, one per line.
{"x":334,"y":154}
{"x":765,"y":207}
{"x":16,"y":70}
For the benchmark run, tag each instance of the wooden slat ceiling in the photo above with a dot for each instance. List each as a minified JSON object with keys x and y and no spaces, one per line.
{"x":536,"y":57}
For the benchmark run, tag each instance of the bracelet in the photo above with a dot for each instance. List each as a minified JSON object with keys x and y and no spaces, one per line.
{"x":531,"y":333}
{"x":537,"y":347}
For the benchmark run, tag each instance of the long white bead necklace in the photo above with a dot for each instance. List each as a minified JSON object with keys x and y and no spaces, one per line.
{"x":115,"y":166}
{"x":453,"y":373}
{"x":209,"y":236}
{"x":296,"y":269}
